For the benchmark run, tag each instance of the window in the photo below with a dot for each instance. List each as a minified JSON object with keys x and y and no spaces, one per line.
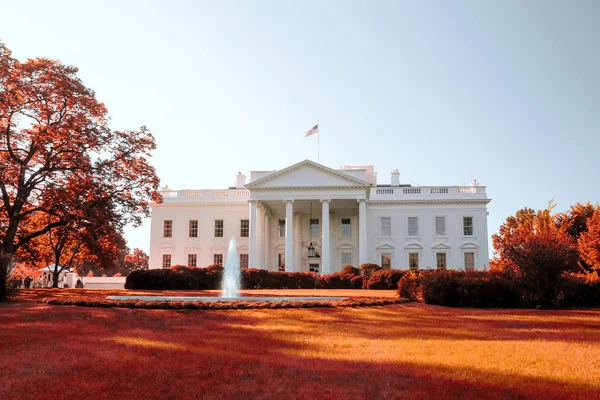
{"x":441,"y":260}
{"x":166,"y":261}
{"x":282,"y":228}
{"x":245,"y":228}
{"x":346,"y":259}
{"x":469,"y":261}
{"x":346,"y":227}
{"x":218,"y":259}
{"x":168,"y":228}
{"x":194,"y":228}
{"x":243,"y":261}
{"x":314,"y":228}
{"x":413,"y":261}
{"x":413,"y":226}
{"x":468,"y":226}
{"x":192,"y":260}
{"x":440,"y":226}
{"x":386,"y":260}
{"x":313,"y":268}
{"x":385,"y":227}
{"x":281,"y":261}
{"x":218,"y":228}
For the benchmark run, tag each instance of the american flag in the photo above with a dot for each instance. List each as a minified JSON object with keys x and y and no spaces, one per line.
{"x":313,"y":130}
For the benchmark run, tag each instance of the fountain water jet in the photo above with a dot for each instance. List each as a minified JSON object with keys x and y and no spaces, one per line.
{"x":230,"y":285}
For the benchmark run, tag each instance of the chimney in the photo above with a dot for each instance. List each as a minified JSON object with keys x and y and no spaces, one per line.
{"x":240,"y":180}
{"x":474,"y":183}
{"x":395,"y":178}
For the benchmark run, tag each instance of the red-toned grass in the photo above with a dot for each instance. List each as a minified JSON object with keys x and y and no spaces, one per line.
{"x":398,"y":351}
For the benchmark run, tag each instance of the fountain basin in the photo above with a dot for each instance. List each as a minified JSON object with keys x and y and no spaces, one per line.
{"x":236,"y":298}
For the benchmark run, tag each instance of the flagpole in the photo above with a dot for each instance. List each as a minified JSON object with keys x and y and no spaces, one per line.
{"x":318,"y":143}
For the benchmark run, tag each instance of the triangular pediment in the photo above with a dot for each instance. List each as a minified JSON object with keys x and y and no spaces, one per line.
{"x":385,"y":247}
{"x":441,"y":246}
{"x":307,"y":174}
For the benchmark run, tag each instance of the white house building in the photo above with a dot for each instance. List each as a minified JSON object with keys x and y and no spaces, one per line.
{"x":308,"y":217}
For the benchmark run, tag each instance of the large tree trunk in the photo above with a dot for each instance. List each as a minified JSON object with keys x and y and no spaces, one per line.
{"x":5,"y":260}
{"x":55,"y":276}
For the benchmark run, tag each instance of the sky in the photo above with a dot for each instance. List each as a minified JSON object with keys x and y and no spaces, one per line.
{"x":505,"y":92}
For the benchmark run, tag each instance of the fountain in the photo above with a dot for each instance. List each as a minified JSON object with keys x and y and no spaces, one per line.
{"x":230,"y":284}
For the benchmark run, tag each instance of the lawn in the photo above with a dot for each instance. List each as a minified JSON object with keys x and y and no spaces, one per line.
{"x":398,"y":351}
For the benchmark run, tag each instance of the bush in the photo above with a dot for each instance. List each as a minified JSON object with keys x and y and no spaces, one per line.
{"x":385,"y":279}
{"x":348,"y":278}
{"x":462,"y":289}
{"x":178,"y":277}
{"x":578,"y":290}
{"x":253,"y":278}
{"x":409,"y":288}
{"x":366,"y":270}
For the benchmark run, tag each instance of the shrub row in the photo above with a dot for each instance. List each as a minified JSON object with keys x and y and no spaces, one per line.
{"x":224,"y":305}
{"x":369,"y":276}
{"x":492,"y":289}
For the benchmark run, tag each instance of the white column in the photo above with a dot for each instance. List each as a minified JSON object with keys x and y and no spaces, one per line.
{"x":289,"y":235}
{"x":259,"y":237}
{"x":326,"y":250}
{"x":298,"y":240}
{"x":252,"y":245}
{"x":362,"y":231}
{"x":267,"y":241}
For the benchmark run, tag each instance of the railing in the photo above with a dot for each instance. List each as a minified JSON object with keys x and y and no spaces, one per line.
{"x":195,"y":195}
{"x":411,"y":191}
{"x":424,"y":192}
{"x":384,"y":191}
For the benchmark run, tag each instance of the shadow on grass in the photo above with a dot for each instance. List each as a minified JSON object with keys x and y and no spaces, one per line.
{"x":387,"y":352}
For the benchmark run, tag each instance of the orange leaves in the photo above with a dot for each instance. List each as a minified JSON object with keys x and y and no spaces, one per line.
{"x":61,"y":162}
{"x":589,"y":241}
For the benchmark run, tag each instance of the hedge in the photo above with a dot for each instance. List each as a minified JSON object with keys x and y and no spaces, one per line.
{"x":491,"y":289}
{"x":224,"y":305}
{"x":180,"y":277}
{"x":385,"y":279}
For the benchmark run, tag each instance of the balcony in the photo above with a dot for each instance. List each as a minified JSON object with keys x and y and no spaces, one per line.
{"x":205,"y":196}
{"x":428,"y":193}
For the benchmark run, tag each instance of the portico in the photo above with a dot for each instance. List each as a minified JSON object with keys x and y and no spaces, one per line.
{"x":303,"y":206}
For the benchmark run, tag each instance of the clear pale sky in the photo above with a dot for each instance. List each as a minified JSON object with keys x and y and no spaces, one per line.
{"x":507,"y":92}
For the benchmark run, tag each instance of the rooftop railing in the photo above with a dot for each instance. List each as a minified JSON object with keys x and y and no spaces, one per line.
{"x":226,"y":195}
{"x":428,"y":193}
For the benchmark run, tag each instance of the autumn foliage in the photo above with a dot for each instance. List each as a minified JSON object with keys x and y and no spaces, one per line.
{"x":63,"y":171}
{"x":589,"y":242}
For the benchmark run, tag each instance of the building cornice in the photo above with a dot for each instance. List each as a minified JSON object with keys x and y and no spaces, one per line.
{"x":304,"y":188}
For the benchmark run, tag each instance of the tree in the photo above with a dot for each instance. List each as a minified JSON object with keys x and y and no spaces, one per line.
{"x":533,"y":247}
{"x":589,"y":242}
{"x":55,"y":147}
{"x":137,"y":260}
{"x":575,"y":223}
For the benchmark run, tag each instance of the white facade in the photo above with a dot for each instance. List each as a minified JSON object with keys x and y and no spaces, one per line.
{"x":355,"y":220}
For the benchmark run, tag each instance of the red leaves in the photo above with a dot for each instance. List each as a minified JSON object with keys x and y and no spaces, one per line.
{"x":62,"y":170}
{"x":589,"y":241}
